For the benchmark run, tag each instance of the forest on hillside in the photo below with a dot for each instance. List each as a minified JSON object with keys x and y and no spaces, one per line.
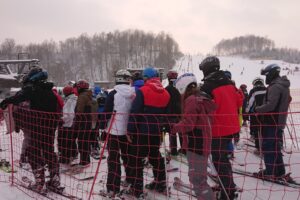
{"x":97,"y":57}
{"x":256,"y":47}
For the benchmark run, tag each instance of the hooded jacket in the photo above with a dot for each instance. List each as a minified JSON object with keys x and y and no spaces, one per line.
{"x":83,"y":110}
{"x":69,"y":110}
{"x":196,"y":123}
{"x":228,"y":100}
{"x":276,"y":102}
{"x":119,"y":100}
{"x":151,"y":99}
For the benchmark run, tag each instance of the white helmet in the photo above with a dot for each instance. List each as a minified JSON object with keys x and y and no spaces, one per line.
{"x":184,"y":81}
{"x":123,"y":76}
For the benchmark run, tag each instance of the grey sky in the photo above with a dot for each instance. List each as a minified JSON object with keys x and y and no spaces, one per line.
{"x":197,"y":25}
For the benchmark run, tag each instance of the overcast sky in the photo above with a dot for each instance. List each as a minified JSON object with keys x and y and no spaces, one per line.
{"x":196,"y":25}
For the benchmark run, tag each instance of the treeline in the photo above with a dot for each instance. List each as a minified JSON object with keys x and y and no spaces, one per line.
{"x":97,"y":57}
{"x":256,"y":47}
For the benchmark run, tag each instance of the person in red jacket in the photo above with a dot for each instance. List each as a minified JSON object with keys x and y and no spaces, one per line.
{"x":225,"y":120}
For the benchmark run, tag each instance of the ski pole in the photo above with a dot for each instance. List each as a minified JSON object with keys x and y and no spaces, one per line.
{"x":293,"y":127}
{"x":165,"y":160}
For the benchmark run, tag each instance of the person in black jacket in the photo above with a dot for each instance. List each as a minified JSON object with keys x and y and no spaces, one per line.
{"x":43,"y":122}
{"x":256,"y":98}
{"x":173,"y":108}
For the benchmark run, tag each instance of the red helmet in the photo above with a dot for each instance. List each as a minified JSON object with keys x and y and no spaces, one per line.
{"x":82,"y":84}
{"x":68,"y":90}
{"x":172,"y":75}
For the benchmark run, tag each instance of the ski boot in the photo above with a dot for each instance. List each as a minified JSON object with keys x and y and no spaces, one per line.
{"x":54,"y":184}
{"x":39,"y":176}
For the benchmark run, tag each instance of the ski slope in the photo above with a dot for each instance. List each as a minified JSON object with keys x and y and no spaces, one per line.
{"x":243,"y":72}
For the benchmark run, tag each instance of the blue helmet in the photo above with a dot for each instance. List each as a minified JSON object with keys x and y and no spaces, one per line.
{"x":34,"y":75}
{"x":150,"y":72}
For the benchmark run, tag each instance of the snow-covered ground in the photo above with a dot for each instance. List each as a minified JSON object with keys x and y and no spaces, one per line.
{"x":243,"y":71}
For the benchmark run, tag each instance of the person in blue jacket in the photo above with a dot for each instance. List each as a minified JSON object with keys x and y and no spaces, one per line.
{"x":144,"y":132}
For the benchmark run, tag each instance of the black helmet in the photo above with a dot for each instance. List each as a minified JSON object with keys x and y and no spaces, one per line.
{"x":271,"y":72}
{"x":210,"y":64}
{"x":137,"y":76}
{"x":227,"y":74}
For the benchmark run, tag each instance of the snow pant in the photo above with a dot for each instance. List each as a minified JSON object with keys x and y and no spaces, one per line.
{"x":145,"y":145}
{"x":254,"y":129}
{"x":41,"y":150}
{"x":94,"y":142}
{"x":219,"y":152}
{"x":84,"y":146}
{"x":198,"y":176}
{"x":25,"y":145}
{"x":67,"y":146}
{"x":271,"y":147}
{"x":117,"y":147}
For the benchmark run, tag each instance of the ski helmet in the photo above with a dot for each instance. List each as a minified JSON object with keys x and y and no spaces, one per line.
{"x":172,"y":75}
{"x":184,"y":81}
{"x":34,"y":75}
{"x":67,"y":90}
{"x":123,"y":76}
{"x":258,"y":81}
{"x":209,"y":64}
{"x":243,"y":86}
{"x":137,"y":76}
{"x":227,"y":74}
{"x":271,"y":72}
{"x":150,"y":72}
{"x":82,"y":84}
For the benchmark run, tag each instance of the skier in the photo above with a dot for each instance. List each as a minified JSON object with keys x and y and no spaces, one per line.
{"x":274,"y":111}
{"x":43,"y":121}
{"x":225,"y":122}
{"x":196,"y":126}
{"x":66,"y":137}
{"x":119,"y":100}
{"x":243,"y":88}
{"x":144,"y":132}
{"x":83,"y":124}
{"x":256,"y":98}
{"x":174,"y":107}
{"x":137,"y":80}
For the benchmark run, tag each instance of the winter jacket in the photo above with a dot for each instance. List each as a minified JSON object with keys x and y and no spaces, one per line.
{"x":174,"y":106}
{"x":277,"y":100}
{"x":69,"y":110}
{"x":196,"y":123}
{"x":60,"y":101}
{"x":83,"y":110}
{"x":228,"y":100}
{"x":41,"y":98}
{"x":151,"y":99}
{"x":256,"y":98}
{"x":119,"y":100}
{"x":138,"y":84}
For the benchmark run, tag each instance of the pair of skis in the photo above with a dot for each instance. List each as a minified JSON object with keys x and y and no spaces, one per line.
{"x":289,"y":183}
{"x":28,"y":184}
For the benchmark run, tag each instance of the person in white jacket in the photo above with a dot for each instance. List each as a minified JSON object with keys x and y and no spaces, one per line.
{"x":67,"y":136}
{"x":119,"y":101}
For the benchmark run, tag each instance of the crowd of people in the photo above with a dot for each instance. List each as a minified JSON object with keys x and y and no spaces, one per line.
{"x":137,"y":113}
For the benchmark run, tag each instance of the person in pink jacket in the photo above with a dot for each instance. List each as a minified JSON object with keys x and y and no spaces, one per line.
{"x":195,"y":126}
